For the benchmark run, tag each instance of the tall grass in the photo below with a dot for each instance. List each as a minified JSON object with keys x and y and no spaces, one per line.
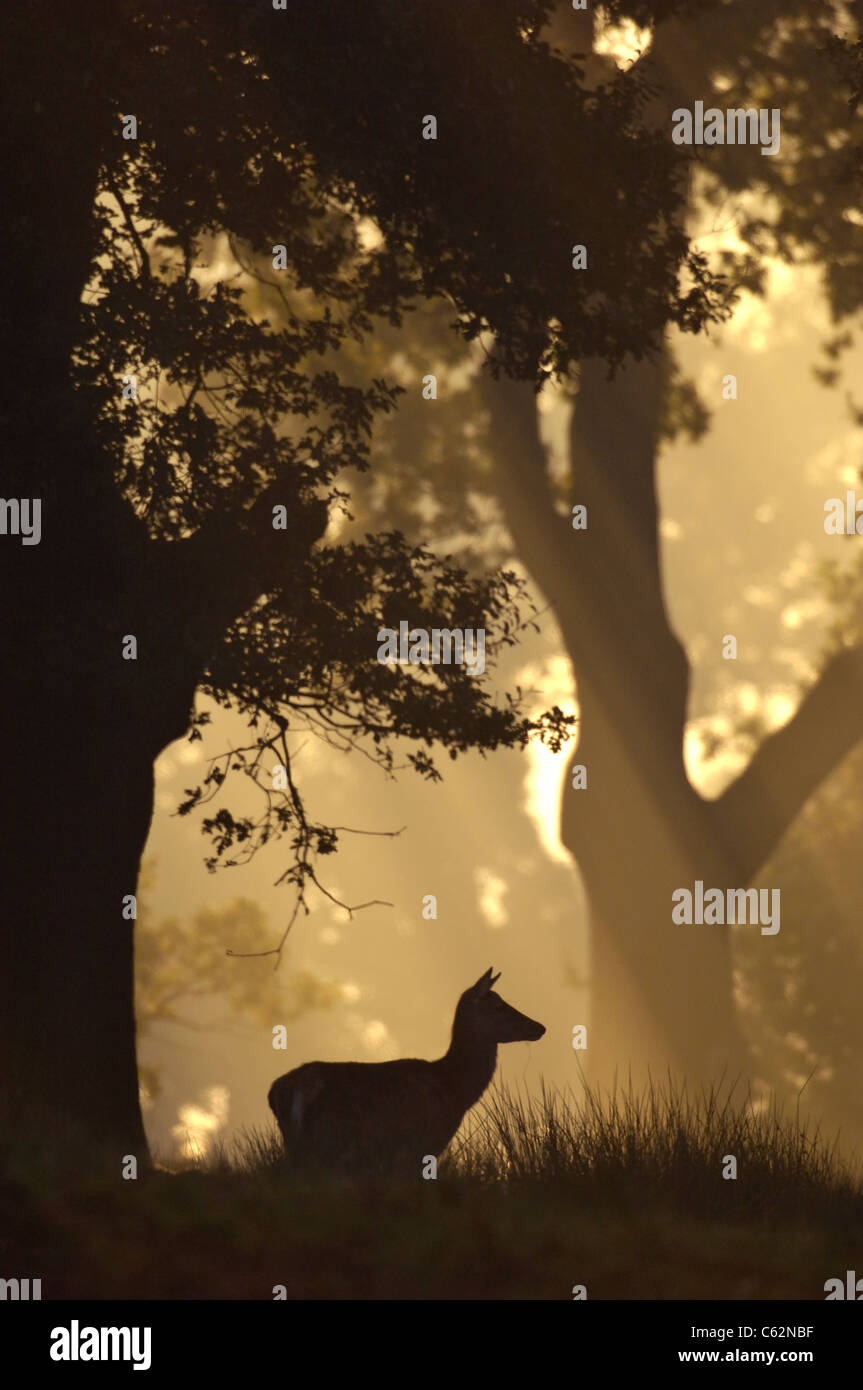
{"x":663,"y":1141}
{"x":664,"y":1145}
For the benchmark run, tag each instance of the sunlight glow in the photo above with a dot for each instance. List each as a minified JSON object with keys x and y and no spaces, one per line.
{"x":625,"y":41}
{"x":710,"y":776}
{"x":199,"y":1126}
{"x":796,"y":614}
{"x":369,"y":234}
{"x":376,"y":1034}
{"x":373,"y":1036}
{"x":491,"y":890}
{"x":543,"y":782}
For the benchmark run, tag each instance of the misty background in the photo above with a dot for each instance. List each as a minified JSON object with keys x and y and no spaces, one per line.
{"x":742,"y":536}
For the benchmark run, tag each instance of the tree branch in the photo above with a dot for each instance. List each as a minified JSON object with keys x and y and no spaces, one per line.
{"x":218,"y":573}
{"x":200,"y":586}
{"x":129,"y":221}
{"x":758,"y":808}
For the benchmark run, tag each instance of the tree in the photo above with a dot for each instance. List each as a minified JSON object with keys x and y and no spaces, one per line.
{"x":662,"y":996}
{"x":658,"y":997}
{"x":181,"y":519}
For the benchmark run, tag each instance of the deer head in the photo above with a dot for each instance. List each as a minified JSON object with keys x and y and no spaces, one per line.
{"x":485,"y":1015}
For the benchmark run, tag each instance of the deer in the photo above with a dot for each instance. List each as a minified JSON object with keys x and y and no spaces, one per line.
{"x":354,"y":1119}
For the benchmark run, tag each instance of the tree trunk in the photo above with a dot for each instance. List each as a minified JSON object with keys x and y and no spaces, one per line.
{"x":661,"y":993}
{"x":82,"y":725}
{"x":641,"y":830}
{"x":75,"y":825}
{"x":84,"y":722}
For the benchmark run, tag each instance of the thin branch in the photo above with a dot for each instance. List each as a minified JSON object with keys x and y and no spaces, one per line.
{"x":277,"y":950}
{"x":146,"y":273}
{"x":353,"y":830}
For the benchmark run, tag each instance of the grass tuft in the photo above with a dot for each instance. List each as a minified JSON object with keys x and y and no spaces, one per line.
{"x":663,"y":1143}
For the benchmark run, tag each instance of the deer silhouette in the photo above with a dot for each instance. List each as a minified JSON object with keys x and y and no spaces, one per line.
{"x":387,"y":1118}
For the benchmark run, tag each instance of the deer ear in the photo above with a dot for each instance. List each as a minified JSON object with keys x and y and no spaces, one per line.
{"x":494,"y":979}
{"x":483,"y":984}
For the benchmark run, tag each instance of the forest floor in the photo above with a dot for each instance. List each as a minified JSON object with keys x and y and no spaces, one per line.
{"x":628,"y":1200}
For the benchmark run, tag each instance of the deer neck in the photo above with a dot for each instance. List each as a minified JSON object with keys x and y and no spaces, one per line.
{"x":468,"y":1065}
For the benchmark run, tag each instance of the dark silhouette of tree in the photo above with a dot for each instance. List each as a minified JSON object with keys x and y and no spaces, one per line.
{"x":190,"y":517}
